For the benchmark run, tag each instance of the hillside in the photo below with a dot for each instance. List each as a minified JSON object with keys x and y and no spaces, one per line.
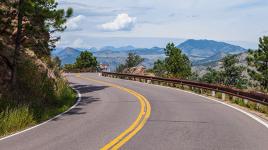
{"x":199,"y":51}
{"x":204,"y":51}
{"x":202,"y":68}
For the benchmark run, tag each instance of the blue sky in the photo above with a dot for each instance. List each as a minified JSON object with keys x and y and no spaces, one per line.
{"x":155,"y":22}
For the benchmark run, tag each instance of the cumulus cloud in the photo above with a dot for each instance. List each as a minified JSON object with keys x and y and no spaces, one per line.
{"x":123,"y":22}
{"x":73,"y":24}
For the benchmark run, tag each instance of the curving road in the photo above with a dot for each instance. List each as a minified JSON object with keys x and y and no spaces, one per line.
{"x":178,"y":120}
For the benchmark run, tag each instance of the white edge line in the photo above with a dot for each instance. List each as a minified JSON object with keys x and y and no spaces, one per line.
{"x":238,"y":109}
{"x":59,"y":115}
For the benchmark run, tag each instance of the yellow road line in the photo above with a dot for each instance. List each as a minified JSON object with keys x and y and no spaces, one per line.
{"x":136,"y":126}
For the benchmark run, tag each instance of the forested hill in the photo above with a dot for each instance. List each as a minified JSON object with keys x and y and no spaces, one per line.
{"x":203,"y":51}
{"x":199,"y":52}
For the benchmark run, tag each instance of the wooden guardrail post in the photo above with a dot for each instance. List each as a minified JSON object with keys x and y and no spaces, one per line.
{"x":201,"y":91}
{"x":245,"y":101}
{"x":213,"y":93}
{"x":223,"y":96}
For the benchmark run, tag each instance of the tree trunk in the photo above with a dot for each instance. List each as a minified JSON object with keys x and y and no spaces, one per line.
{"x":17,"y":44}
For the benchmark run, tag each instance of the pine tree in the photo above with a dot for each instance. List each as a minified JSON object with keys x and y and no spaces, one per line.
{"x":177,"y":64}
{"x":232,"y":73}
{"x":86,"y":60}
{"x":259,"y":61}
{"x":132,"y":60}
{"x":159,"y":68}
{"x":35,"y":20}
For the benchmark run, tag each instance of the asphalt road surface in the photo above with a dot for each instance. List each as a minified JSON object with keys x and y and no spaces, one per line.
{"x":178,"y":121}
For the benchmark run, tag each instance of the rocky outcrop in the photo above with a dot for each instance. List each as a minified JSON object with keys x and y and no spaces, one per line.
{"x":139,"y":70}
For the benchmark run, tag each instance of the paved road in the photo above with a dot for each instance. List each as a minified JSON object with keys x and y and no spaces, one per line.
{"x":178,"y":120}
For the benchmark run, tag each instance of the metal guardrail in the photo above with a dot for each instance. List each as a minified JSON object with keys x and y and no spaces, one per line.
{"x":251,"y":96}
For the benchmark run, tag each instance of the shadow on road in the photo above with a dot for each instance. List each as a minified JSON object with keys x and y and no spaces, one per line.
{"x":84,"y":90}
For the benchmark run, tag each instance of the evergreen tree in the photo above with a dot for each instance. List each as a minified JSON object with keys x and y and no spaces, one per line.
{"x":86,"y":60}
{"x":32,"y":23}
{"x":259,"y":61}
{"x":159,"y":68}
{"x":177,"y":64}
{"x":233,"y":73}
{"x":132,"y":60}
{"x":213,"y":76}
{"x":230,"y":73}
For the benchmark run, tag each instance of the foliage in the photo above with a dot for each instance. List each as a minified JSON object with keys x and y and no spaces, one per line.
{"x":57,"y":61}
{"x":230,"y":74}
{"x":259,"y":61}
{"x":86,"y":60}
{"x":13,"y":119}
{"x":41,"y":97}
{"x":159,"y":68}
{"x":42,"y":18}
{"x":132,"y":60}
{"x":120,"y":68}
{"x":176,"y":64}
{"x":212,"y":76}
{"x":194,"y":76}
{"x":42,"y":94}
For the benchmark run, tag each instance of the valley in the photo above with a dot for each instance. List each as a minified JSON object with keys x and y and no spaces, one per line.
{"x":200,"y":52}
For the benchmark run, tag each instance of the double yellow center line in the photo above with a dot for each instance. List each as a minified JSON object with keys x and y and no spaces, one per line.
{"x":136,"y":126}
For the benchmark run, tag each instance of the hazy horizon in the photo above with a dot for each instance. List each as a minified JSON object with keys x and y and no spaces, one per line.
{"x":140,"y":42}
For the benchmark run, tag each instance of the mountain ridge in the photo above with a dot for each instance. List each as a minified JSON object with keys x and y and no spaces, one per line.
{"x":199,"y":51}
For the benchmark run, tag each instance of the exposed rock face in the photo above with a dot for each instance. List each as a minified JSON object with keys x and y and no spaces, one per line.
{"x":7,"y":30}
{"x":139,"y":70}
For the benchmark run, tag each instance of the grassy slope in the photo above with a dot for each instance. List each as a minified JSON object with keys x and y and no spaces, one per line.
{"x":38,"y":97}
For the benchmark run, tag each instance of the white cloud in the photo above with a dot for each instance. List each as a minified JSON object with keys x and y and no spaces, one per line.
{"x":73,"y":24}
{"x":123,"y":22}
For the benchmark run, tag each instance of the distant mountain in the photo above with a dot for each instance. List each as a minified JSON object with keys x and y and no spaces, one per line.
{"x":199,"y":51}
{"x":213,"y":58}
{"x":208,"y":50}
{"x":202,"y":67}
{"x":111,"y":48}
{"x":68,"y":55}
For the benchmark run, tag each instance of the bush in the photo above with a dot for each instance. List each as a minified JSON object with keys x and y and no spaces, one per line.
{"x":37,"y":98}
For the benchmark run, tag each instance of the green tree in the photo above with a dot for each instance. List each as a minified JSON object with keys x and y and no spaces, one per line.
{"x":233,"y":73}
{"x":259,"y":61}
{"x":230,"y":73}
{"x":86,"y":60}
{"x":177,"y":64}
{"x":159,"y":68}
{"x":212,"y":76}
{"x":36,"y":20}
{"x":132,"y":60}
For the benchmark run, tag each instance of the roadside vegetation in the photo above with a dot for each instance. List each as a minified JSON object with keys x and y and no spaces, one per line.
{"x":133,"y":60}
{"x":32,"y":87}
{"x":175,"y":65}
{"x":231,"y":74}
{"x":86,"y":62}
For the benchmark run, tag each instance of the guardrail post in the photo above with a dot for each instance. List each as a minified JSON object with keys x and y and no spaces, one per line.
{"x":245,"y":101}
{"x":223,"y":96}
{"x":213,"y":93}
